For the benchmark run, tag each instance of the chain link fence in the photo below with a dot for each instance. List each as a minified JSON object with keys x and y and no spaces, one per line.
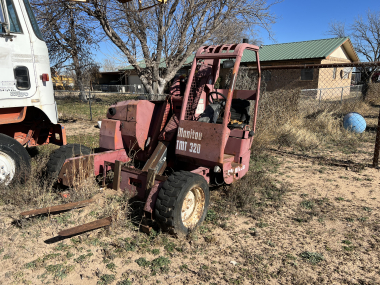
{"x":132,"y":89}
{"x":324,"y":111}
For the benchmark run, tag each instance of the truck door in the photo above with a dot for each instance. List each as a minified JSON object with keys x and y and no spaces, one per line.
{"x":17,"y":72}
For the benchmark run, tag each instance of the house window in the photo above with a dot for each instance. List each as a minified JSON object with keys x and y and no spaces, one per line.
{"x":307,"y":73}
{"x":345,"y":72}
{"x":334,"y":73}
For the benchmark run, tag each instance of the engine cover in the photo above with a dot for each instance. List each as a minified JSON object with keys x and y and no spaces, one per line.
{"x":135,"y":119}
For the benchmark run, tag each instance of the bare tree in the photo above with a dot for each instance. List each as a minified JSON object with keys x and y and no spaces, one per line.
{"x":233,"y":31}
{"x":69,"y":35}
{"x":158,"y":41}
{"x":337,"y":29}
{"x":109,"y":65}
{"x":365,"y":35}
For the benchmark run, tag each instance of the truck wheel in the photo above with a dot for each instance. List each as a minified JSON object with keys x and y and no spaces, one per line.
{"x":182,"y":202}
{"x":58,"y":157}
{"x":14,"y":160}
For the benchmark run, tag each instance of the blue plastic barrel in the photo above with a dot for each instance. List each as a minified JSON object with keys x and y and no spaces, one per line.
{"x":354,"y":122}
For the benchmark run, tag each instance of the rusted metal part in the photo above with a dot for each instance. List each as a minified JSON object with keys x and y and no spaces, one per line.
{"x":157,"y":161}
{"x":254,"y":121}
{"x":86,"y":227}
{"x":117,"y":175}
{"x":224,"y":51}
{"x":12,"y":115}
{"x":151,"y":177}
{"x":76,"y":169}
{"x":152,"y":197}
{"x":110,"y":135}
{"x":145,"y":229}
{"x":233,"y":171}
{"x":203,"y":171}
{"x":58,"y":208}
{"x":88,"y":164}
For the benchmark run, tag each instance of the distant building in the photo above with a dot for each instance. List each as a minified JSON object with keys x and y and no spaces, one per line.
{"x":61,"y":82}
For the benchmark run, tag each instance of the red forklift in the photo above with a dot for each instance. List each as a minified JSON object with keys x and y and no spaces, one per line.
{"x":167,"y":153}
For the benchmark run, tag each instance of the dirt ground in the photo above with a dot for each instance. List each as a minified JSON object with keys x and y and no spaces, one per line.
{"x":325,"y":231}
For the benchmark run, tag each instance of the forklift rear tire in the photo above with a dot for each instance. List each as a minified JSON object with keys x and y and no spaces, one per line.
{"x":182,"y":203}
{"x":58,"y":157}
{"x":14,"y":161}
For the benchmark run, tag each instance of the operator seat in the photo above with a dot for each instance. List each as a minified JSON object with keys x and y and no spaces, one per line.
{"x":239,"y":113}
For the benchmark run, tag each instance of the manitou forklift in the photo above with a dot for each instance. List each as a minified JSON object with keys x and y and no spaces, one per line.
{"x":167,"y":153}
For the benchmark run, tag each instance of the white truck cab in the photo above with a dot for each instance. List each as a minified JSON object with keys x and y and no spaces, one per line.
{"x":28,"y":112}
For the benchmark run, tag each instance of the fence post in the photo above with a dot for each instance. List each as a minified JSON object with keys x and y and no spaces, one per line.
{"x":341,"y":96}
{"x":320,"y":96}
{"x":89,"y":102}
{"x":377,"y":145}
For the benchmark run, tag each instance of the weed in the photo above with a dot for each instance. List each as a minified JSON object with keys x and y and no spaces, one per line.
{"x":362,"y":219}
{"x":111,"y":266}
{"x":307,"y":204}
{"x":155,"y":251}
{"x":211,"y":216}
{"x":183,"y":267}
{"x":50,"y":256}
{"x":142,"y":262}
{"x":367,"y":209}
{"x":160,"y":265}
{"x":124,"y":282}
{"x":34,"y":264}
{"x":69,"y":255}
{"x":106,"y":279}
{"x":169,"y":247}
{"x":59,"y":271}
{"x":346,"y":241}
{"x":261,"y":224}
{"x":289,"y":256}
{"x":61,"y":247}
{"x":312,"y":257}
{"x":348,"y":248}
{"x":83,"y":257}
{"x":339,"y":198}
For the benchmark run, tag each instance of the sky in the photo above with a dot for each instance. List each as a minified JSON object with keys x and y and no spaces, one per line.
{"x":304,"y":20}
{"x":298,"y":20}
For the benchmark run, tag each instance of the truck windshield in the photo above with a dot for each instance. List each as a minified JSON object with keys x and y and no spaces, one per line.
{"x":33,"y":20}
{"x":14,"y":24}
{"x":2,"y":19}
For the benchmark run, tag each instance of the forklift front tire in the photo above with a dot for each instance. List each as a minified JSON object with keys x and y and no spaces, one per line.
{"x":182,"y":203}
{"x":59,"y":156}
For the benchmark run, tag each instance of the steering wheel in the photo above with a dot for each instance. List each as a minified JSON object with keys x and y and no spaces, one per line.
{"x":211,"y":99}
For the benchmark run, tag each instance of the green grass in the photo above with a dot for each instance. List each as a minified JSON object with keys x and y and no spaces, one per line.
{"x":91,"y":141}
{"x":106,"y":279}
{"x":312,"y":257}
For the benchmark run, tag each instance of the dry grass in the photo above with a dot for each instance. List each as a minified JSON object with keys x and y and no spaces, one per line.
{"x":373,"y":94}
{"x":286,"y":120}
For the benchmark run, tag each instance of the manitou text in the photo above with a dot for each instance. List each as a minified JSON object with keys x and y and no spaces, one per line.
{"x":189,"y":134}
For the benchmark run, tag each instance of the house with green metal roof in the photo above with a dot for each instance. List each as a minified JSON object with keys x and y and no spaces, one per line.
{"x":324,"y":51}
